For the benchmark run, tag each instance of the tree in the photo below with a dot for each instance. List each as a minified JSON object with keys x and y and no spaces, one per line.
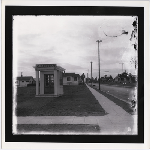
{"x":95,"y":79}
{"x":82,"y":77}
{"x":110,"y":77}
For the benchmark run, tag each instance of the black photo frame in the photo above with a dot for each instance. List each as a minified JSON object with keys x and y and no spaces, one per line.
{"x":72,"y":10}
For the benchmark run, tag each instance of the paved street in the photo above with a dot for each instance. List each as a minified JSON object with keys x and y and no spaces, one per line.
{"x":123,"y":93}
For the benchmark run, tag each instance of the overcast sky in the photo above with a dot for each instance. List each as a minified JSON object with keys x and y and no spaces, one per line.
{"x":70,"y":42}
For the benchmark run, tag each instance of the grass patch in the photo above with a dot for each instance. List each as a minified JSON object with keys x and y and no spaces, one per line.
{"x":129,"y":85}
{"x":76,"y":101}
{"x":117,"y":101}
{"x":58,"y":128}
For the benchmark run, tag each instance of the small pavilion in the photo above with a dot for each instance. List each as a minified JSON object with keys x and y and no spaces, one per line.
{"x":51,"y":80}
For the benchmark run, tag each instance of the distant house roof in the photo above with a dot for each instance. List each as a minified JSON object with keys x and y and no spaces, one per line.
{"x":71,"y":74}
{"x":25,"y":78}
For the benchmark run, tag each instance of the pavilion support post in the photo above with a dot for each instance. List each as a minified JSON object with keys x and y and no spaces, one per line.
{"x":37,"y":82}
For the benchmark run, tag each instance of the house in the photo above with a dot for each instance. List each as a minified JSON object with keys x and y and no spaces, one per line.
{"x":24,"y":80}
{"x":71,"y":79}
{"x":125,"y":77}
{"x":36,"y":79}
{"x":117,"y":79}
{"x":103,"y":79}
{"x":106,"y":79}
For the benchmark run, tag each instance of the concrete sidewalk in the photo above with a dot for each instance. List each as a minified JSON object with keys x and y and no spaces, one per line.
{"x":117,"y":121}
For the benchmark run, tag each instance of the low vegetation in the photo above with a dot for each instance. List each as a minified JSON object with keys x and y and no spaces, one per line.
{"x":126,"y":106}
{"x":58,"y":128}
{"x":129,"y":85}
{"x":76,"y":101}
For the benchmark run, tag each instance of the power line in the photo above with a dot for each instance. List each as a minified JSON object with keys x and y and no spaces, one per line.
{"x":123,"y":32}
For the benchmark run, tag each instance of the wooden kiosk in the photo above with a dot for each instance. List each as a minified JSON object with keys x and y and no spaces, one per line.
{"x":51,"y":80}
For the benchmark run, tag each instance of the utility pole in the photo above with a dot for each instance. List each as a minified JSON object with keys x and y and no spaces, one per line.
{"x":99,"y":60}
{"x":122,"y":66}
{"x":87,"y":73}
{"x":87,"y":78}
{"x":91,"y":72}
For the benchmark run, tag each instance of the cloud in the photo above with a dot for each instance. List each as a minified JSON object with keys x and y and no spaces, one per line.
{"x":70,"y":41}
